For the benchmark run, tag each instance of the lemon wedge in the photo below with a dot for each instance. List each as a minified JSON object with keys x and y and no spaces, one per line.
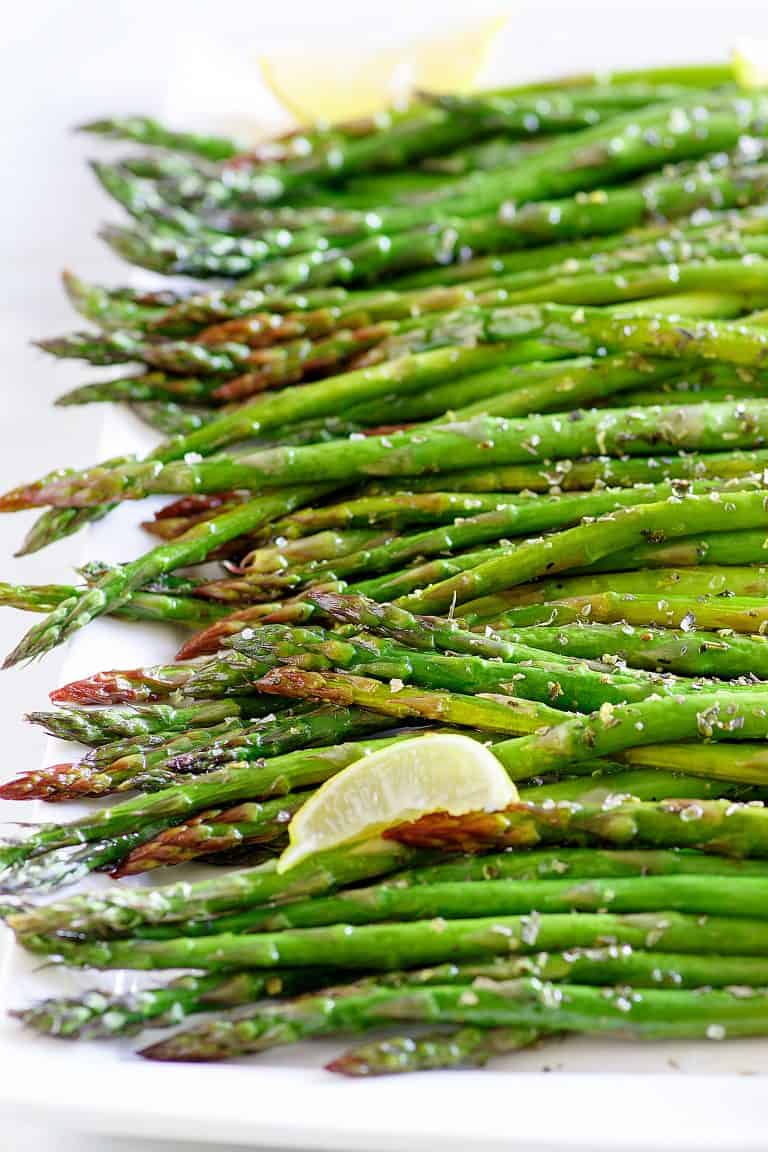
{"x":441,"y":772}
{"x":750,"y":63}
{"x":357,"y":85}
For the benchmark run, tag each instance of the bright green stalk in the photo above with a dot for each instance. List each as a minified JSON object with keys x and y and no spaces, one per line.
{"x":97,"y":1015}
{"x":743,"y":614}
{"x":577,"y":547}
{"x":140,"y":606}
{"x":689,"y":653}
{"x":521,"y":1004}
{"x":117,"y":585}
{"x":703,"y":895}
{"x":482,"y":440}
{"x":396,"y":945}
{"x":98,"y":727}
{"x":461,"y":1048}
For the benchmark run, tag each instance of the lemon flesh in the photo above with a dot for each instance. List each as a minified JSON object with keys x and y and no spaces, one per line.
{"x":443,"y":772}
{"x":750,"y":63}
{"x":357,"y":85}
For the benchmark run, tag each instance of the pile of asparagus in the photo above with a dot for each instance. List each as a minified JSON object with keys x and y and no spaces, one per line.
{"x":474,"y":422}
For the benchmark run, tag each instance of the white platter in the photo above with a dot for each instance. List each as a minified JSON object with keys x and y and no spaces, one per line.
{"x":580,"y":1095}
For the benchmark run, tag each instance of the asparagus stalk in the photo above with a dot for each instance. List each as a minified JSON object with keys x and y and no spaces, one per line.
{"x":481,"y":440}
{"x":498,"y":714}
{"x":527,"y":1003}
{"x":171,"y":419}
{"x":705,"y":895}
{"x":581,"y":474}
{"x":541,"y":221}
{"x":658,"y":650}
{"x":117,"y":585}
{"x":117,"y":307}
{"x":98,"y":1016}
{"x":58,"y":523}
{"x":743,"y":614}
{"x":560,"y":684}
{"x":511,"y":517}
{"x":577,"y":547}
{"x":127,"y":686}
{"x":717,"y":548}
{"x":705,"y":580}
{"x":584,"y":287}
{"x":198,"y":750}
{"x":406,"y":945}
{"x":131,"y":910}
{"x":210,"y":833}
{"x":145,"y":130}
{"x":460,"y":1048}
{"x":99,"y":727}
{"x":140,"y":606}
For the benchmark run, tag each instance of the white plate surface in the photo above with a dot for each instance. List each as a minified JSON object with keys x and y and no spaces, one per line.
{"x":582,"y":1094}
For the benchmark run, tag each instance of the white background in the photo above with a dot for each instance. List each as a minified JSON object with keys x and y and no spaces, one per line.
{"x":63,"y":62}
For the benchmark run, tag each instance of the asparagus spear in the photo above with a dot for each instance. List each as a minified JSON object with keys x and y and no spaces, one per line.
{"x":498,"y":714}
{"x":705,"y":580}
{"x":720,"y":233}
{"x":685,"y":653}
{"x":99,"y":727}
{"x":96,"y":1015}
{"x":172,"y":419}
{"x":598,"y":287}
{"x":127,"y":686}
{"x":405,"y":945}
{"x":251,"y":823}
{"x":563,"y":685}
{"x":489,"y":229}
{"x":133,"y":910}
{"x":705,"y":895}
{"x":460,"y":1048}
{"x":198,"y":750}
{"x":739,"y":613}
{"x":395,"y":585}
{"x":481,"y":440}
{"x":581,"y":474}
{"x":732,"y":714}
{"x":575,"y":547}
{"x":117,"y":307}
{"x":58,"y":523}
{"x":428,"y":633}
{"x":724,"y":548}
{"x":717,"y":548}
{"x":140,"y":606}
{"x":410,"y":372}
{"x":547,"y":172}
{"x":73,"y":863}
{"x":527,"y":1003}
{"x":511,"y":517}
{"x":145,"y":130}
{"x":119,"y":583}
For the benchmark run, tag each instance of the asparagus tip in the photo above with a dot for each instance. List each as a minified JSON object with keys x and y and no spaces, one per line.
{"x":35,"y":785}
{"x":22,"y":498}
{"x":37,"y":642}
{"x":101,"y":688}
{"x":349,"y":1064}
{"x":168,"y":1050}
{"x":206,"y":642}
{"x":96,"y":127}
